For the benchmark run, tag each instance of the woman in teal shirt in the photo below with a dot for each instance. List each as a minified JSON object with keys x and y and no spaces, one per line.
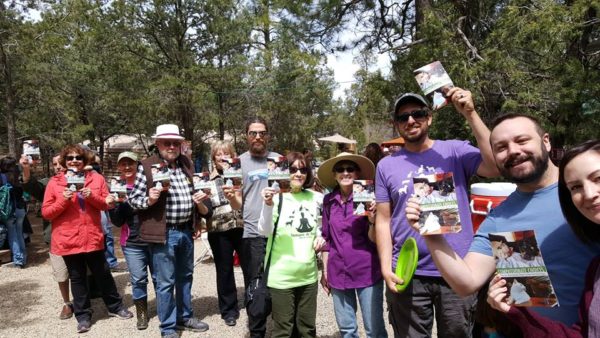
{"x":292,"y":278}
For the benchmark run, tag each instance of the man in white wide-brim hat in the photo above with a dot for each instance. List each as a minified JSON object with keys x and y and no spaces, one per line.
{"x":167,"y":216}
{"x":394,"y":186}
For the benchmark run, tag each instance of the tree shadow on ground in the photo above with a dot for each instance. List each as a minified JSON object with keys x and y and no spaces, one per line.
{"x":18,"y":298}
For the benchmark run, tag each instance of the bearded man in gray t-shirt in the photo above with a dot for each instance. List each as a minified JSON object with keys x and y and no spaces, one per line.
{"x":249,"y":199}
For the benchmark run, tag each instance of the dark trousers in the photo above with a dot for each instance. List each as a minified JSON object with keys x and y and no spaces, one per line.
{"x":77,"y":266}
{"x":411,"y":312}
{"x":222,"y":244}
{"x":294,"y":311}
{"x":252,"y":256}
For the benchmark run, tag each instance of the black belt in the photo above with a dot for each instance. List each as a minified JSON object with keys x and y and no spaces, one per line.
{"x":181,"y":226}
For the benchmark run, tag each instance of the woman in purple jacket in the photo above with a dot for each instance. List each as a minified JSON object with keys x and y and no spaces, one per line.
{"x":579,"y":195}
{"x":351,"y":265}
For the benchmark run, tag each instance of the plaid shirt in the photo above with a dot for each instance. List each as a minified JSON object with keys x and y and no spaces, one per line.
{"x":179,"y":199}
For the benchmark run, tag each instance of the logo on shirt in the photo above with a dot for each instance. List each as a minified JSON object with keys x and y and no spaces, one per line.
{"x":421,"y":172}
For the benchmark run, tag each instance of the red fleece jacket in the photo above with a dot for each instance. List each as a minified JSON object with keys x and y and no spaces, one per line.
{"x":75,"y":229}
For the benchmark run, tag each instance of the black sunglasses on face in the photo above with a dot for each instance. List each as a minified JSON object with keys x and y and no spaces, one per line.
{"x":168,"y":144}
{"x":415,"y":114}
{"x":76,"y":158}
{"x":340,"y":170}
{"x":262,"y":133}
{"x":294,"y":170}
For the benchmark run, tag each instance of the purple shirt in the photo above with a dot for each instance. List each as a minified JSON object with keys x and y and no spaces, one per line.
{"x":394,"y":184}
{"x":353,"y":262}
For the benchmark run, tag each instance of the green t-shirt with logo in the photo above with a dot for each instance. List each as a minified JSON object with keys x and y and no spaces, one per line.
{"x":293,"y":258}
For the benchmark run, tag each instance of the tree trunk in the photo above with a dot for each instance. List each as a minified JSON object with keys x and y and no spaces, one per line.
{"x":10,"y":101}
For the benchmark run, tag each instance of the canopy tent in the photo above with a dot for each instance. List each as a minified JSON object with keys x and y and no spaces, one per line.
{"x":394,"y":142}
{"x":337,"y":138}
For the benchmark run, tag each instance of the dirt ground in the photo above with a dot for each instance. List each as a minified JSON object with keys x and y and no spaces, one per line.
{"x":30,"y":302}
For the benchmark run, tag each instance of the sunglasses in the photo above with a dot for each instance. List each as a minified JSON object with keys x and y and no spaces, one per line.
{"x":416,"y":115}
{"x":349,"y":169}
{"x":76,"y":158}
{"x":294,"y":170}
{"x":168,"y":144}
{"x":262,"y":133}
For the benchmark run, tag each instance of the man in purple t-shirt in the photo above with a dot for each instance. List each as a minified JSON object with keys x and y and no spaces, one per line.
{"x":412,"y":311}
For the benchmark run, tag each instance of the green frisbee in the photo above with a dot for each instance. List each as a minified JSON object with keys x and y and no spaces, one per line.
{"x":407,"y":262}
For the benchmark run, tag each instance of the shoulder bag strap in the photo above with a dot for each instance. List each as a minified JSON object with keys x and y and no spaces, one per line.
{"x":274,"y":235}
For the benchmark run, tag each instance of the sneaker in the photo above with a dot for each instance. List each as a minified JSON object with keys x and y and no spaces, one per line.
{"x":171,"y":335}
{"x":67,"y":311}
{"x":193,"y":324}
{"x":83,"y":326}
{"x":121,"y":314}
{"x":230,"y":321}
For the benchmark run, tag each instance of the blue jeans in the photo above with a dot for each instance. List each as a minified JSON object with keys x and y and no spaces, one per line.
{"x":371,"y":305}
{"x":109,"y":241}
{"x":16,"y":241}
{"x":174,"y":267}
{"x":139,"y":259}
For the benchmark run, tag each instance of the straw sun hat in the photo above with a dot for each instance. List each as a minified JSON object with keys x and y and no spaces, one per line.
{"x":327,"y":176}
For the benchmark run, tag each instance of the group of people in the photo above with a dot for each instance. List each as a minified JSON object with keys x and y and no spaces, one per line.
{"x":279,"y":234}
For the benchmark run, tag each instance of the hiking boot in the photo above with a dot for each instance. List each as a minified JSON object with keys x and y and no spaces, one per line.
{"x":141,"y":309}
{"x":193,"y":324}
{"x":121,"y":314}
{"x":83,"y":326}
{"x":67,"y":311}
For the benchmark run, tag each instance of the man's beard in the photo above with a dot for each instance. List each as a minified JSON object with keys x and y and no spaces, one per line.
{"x":417,"y":139}
{"x":258,"y":148}
{"x":540,"y":165}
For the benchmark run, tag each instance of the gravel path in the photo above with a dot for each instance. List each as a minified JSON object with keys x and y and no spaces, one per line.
{"x":30,"y":302}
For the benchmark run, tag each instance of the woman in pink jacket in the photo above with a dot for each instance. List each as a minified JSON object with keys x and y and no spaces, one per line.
{"x":73,"y":202}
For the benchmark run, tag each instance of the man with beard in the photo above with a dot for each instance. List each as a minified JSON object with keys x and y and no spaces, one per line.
{"x":167,"y":216}
{"x":255,"y":178}
{"x":412,"y":311}
{"x":520,"y":148}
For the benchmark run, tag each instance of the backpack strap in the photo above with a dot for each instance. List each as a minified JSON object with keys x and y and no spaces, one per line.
{"x":273,"y":238}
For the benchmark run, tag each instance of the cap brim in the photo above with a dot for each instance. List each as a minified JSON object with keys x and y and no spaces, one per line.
{"x":408,"y":98}
{"x":327,"y":177}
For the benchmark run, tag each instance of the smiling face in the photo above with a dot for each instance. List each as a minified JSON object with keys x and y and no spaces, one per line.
{"x":219,"y":159}
{"x":342,"y":173}
{"x":413,"y":130}
{"x":75,"y":161}
{"x":582,"y":178}
{"x":297,"y":176}
{"x":520,"y":152}
{"x":169,"y":149}
{"x":127,"y":167}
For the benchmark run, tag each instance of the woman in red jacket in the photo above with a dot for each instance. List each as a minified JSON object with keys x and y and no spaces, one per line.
{"x":579,"y":195}
{"x":74,"y":210}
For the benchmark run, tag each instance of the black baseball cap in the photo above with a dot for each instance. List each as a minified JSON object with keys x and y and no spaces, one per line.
{"x":409,"y":98}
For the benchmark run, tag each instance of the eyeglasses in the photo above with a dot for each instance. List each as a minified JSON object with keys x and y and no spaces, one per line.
{"x":349,"y":169}
{"x":294,"y":170}
{"x":76,"y":158}
{"x":168,"y":144}
{"x":261,"y":133}
{"x":415,"y":114}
